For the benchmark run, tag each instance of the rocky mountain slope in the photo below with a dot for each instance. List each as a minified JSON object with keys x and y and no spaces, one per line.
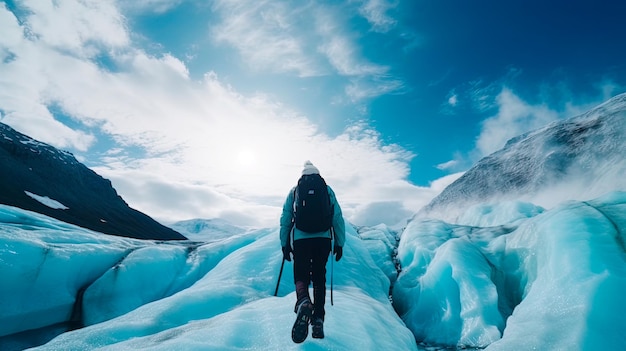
{"x":38,"y":177}
{"x":573,"y":159}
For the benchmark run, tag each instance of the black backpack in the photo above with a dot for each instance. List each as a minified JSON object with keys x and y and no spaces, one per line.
{"x":312,"y":209}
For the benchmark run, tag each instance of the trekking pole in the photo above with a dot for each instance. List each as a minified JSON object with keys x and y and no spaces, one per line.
{"x":332,"y":259}
{"x":282,"y":265}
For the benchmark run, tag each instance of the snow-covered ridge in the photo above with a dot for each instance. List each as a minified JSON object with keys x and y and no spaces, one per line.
{"x":573,"y":159}
{"x":207,"y":229}
{"x":11,"y":135}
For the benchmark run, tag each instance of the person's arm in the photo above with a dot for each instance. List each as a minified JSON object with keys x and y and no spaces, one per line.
{"x":339,"y":224}
{"x":286,"y":220}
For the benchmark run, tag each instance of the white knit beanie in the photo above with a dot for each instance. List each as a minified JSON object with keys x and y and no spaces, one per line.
{"x":309,"y":169}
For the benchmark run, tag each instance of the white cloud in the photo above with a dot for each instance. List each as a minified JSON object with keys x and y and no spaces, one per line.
{"x":342,"y":56}
{"x":366,"y":80}
{"x":170,"y":200}
{"x":481,"y":95}
{"x":514,"y":117}
{"x":291,"y":37}
{"x":24,"y":85}
{"x":375,"y":11}
{"x":609,"y":89}
{"x":193,"y":132}
{"x":448,"y":165}
{"x":76,"y":26}
{"x":450,"y":105}
{"x":438,"y":185}
{"x":264,"y":33}
{"x":361,"y":89}
{"x":453,"y":100}
{"x":339,"y":48}
{"x":391,"y":212}
{"x":12,"y":33}
{"x":155,"y":6}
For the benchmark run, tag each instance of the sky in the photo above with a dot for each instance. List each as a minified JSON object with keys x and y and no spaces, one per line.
{"x":208,"y":109}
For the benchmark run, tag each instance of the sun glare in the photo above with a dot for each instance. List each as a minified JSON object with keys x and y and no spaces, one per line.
{"x":246,"y":158}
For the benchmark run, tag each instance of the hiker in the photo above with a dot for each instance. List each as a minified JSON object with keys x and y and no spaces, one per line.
{"x":312,"y":220}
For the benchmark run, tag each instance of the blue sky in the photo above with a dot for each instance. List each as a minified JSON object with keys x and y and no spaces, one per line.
{"x":209,"y":108}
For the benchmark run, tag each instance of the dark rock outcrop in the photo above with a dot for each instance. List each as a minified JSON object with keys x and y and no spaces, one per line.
{"x":31,"y":167}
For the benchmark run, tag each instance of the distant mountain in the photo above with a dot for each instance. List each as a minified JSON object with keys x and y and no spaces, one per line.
{"x":574,"y":159}
{"x":207,"y":229}
{"x":38,"y":177}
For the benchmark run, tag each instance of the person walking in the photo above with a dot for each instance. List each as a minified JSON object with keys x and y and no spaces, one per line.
{"x":311,"y":219}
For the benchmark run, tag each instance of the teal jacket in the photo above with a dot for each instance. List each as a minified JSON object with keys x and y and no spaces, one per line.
{"x":287,"y":222}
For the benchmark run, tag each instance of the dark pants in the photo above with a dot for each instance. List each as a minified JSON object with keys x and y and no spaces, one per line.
{"x":309,"y":264}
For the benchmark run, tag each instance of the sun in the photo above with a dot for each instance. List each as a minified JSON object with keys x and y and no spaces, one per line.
{"x":246,"y":158}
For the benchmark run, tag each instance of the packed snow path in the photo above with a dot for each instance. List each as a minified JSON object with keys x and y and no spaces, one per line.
{"x":215,"y":296}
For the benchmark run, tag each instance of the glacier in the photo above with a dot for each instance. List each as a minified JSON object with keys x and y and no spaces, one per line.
{"x":529,"y":279}
{"x":176,"y":295}
{"x":514,"y":276}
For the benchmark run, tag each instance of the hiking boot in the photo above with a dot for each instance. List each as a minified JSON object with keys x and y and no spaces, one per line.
{"x":300,"y":329}
{"x":318,"y":328}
